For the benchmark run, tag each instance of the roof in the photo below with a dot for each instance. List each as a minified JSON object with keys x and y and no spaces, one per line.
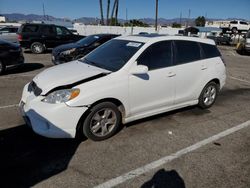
{"x":205,"y":29}
{"x":157,"y":38}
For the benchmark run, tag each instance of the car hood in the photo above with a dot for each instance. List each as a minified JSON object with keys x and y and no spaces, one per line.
{"x":9,"y":45}
{"x":68,"y":74}
{"x":64,"y":47}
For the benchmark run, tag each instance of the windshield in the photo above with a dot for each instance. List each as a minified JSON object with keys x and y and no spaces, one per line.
{"x":88,"y":40}
{"x":113,"y":55}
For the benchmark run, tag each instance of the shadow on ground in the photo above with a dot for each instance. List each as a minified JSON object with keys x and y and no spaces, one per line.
{"x":47,"y":51}
{"x":27,"y":159}
{"x":165,"y":179}
{"x":225,"y":96}
{"x":26,"y":67}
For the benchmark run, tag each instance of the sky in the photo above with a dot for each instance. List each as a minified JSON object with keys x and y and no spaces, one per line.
{"x":135,"y":8}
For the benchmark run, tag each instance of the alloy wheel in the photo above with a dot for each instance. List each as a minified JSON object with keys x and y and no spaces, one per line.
{"x":103,"y":122}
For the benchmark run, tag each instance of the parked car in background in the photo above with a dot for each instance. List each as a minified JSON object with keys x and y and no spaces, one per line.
{"x":9,"y":33}
{"x":68,"y":52}
{"x":244,"y":46}
{"x":238,"y":25}
{"x":125,"y":79}
{"x":10,"y":55}
{"x":39,"y":37}
{"x":221,"y":38}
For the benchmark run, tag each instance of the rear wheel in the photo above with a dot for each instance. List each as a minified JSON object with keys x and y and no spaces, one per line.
{"x":37,"y":48}
{"x":2,"y":67}
{"x":208,"y":95}
{"x":102,"y":122}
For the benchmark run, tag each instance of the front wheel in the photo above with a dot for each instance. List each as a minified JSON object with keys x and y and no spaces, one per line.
{"x":2,"y":67}
{"x":208,"y":95}
{"x":102,"y":122}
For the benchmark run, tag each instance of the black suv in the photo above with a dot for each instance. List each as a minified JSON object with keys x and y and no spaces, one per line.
{"x":68,"y":52}
{"x":39,"y":37}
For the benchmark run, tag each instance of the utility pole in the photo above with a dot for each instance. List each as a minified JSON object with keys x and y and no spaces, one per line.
{"x":156,"y":14}
{"x":181,"y":18}
{"x":126,"y":15}
{"x":44,"y":16}
{"x":108,"y":6}
{"x":189,"y":13}
{"x":101,"y":10}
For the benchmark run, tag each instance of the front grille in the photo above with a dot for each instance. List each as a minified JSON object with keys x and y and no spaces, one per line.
{"x":34,"y":88}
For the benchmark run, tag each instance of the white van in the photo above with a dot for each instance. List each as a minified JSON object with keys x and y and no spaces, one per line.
{"x":125,"y":79}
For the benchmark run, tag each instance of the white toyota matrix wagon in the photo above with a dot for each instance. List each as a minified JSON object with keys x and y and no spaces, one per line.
{"x":125,"y":79}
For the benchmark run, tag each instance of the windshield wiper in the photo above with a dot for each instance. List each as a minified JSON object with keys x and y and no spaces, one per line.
{"x":91,"y":63}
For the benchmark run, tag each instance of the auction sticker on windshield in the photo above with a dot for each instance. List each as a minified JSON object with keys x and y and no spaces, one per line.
{"x":134,"y":44}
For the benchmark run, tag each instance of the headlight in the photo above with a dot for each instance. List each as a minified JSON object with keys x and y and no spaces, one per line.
{"x":67,"y":52}
{"x":61,"y":96}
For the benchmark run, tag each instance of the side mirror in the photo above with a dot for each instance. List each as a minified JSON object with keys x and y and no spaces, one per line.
{"x":139,"y":69}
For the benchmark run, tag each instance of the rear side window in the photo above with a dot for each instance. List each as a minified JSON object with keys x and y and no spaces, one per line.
{"x":186,"y":51}
{"x":243,"y":23}
{"x":47,"y":30}
{"x":30,"y":28}
{"x":157,"y":56}
{"x":209,"y":50}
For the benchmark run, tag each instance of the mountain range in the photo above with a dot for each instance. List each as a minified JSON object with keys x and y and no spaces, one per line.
{"x":91,"y":20}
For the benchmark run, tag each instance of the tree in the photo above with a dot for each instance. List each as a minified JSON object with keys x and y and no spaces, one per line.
{"x":200,"y":21}
{"x":108,"y":7}
{"x":156,"y":14}
{"x":101,"y":10}
{"x":176,"y":25}
{"x":136,"y":23}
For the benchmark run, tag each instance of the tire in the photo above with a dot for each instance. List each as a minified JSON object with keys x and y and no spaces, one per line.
{"x":102,"y":122}
{"x":37,"y":48}
{"x":2,"y":67}
{"x":208,"y":95}
{"x":234,"y":30}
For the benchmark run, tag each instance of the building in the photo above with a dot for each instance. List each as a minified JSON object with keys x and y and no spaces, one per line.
{"x":2,"y":18}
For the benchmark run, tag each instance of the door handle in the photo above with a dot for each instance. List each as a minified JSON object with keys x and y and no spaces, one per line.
{"x":203,"y":67}
{"x":171,"y":74}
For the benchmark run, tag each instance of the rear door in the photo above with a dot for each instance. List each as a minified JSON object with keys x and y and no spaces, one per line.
{"x":189,"y":70}
{"x":48,"y":35}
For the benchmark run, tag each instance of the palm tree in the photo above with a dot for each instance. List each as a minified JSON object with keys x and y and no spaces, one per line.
{"x":156,"y":14}
{"x":108,"y":6}
{"x":116,"y":12}
{"x":101,"y":10}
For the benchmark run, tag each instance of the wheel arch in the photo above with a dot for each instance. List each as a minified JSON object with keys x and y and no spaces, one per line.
{"x":115,"y":101}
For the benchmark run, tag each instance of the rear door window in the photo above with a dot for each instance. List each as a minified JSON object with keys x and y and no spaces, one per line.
{"x":157,"y":56}
{"x":30,"y":28}
{"x":243,"y":23}
{"x":209,"y":51}
{"x":47,"y":30}
{"x":186,"y":51}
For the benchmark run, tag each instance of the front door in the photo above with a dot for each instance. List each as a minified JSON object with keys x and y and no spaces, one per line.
{"x":156,"y":89}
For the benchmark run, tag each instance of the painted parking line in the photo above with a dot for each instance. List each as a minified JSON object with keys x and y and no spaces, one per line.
{"x":9,"y":106}
{"x":156,"y":164}
{"x":241,"y":80}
